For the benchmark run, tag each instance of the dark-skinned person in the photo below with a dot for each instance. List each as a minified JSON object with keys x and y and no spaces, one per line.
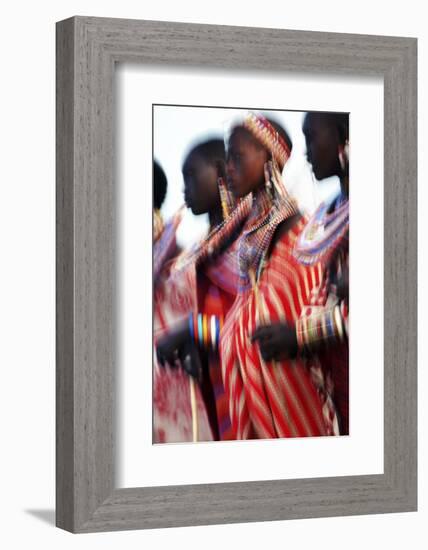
{"x":321,"y":333}
{"x":164,"y":234}
{"x":191,"y":303}
{"x":281,"y":397}
{"x":323,"y":330}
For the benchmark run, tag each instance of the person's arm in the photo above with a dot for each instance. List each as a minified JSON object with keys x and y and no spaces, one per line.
{"x":329,"y":325}
{"x":181,"y":344}
{"x":170,"y":346}
{"x":323,"y":328}
{"x":205,"y":331}
{"x":281,"y":341}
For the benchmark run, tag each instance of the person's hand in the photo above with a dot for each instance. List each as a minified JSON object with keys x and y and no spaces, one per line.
{"x":277,"y":342}
{"x":176,"y":348}
{"x":171,"y":347}
{"x":192,"y":363}
{"x":340,"y":284}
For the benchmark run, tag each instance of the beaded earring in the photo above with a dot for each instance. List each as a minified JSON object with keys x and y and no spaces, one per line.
{"x":343,"y":155}
{"x":268,"y":179}
{"x":227,"y":200}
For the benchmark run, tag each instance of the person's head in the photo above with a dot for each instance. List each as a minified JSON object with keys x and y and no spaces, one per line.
{"x":326,"y":135}
{"x":160,"y":185}
{"x":203,"y":165}
{"x":250,"y":146}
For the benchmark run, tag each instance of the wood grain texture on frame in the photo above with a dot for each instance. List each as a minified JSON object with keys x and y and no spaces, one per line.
{"x":87,"y":50}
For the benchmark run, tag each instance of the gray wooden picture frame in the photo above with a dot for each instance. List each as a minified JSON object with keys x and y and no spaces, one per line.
{"x":87,"y":50}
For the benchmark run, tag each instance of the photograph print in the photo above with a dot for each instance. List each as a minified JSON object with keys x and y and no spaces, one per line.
{"x":250,"y":274}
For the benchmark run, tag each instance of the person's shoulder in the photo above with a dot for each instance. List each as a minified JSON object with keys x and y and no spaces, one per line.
{"x":288,"y":228}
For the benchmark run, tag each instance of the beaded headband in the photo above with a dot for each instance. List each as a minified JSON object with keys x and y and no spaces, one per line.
{"x":270,"y":138}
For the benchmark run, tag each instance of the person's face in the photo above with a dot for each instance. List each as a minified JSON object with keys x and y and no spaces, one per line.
{"x":322,"y":145}
{"x":201,"y":192}
{"x":245,"y":163}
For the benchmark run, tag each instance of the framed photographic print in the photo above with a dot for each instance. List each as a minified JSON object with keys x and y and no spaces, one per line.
{"x":236,"y":318}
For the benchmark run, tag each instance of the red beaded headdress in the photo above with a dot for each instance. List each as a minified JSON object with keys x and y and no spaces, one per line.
{"x":264,"y":132}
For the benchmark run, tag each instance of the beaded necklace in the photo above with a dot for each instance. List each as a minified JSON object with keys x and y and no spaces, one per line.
{"x":271,"y":206}
{"x":158,"y":224}
{"x":165,"y":244}
{"x":324,"y":232}
{"x":213,"y":242}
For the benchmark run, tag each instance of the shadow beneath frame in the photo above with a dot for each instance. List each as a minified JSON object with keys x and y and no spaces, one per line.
{"x":45,"y":515}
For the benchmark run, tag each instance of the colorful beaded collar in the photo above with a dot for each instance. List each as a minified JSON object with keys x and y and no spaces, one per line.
{"x":324,"y":231}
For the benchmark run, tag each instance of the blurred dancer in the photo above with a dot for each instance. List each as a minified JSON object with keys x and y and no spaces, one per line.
{"x":160,"y":187}
{"x":164,"y":235}
{"x":320,"y":333}
{"x":199,"y":290}
{"x":269,"y":398}
{"x":324,"y":328}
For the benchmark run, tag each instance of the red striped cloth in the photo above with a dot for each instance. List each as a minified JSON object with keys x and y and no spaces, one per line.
{"x":172,"y":414}
{"x":213,"y":300}
{"x":180,"y":292}
{"x":274,"y":399}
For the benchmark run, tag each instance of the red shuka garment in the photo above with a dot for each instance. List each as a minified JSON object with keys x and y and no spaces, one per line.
{"x":276,"y":398}
{"x":208,"y":288}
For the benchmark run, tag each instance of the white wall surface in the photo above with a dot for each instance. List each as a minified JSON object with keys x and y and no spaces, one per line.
{"x":27,"y":349}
